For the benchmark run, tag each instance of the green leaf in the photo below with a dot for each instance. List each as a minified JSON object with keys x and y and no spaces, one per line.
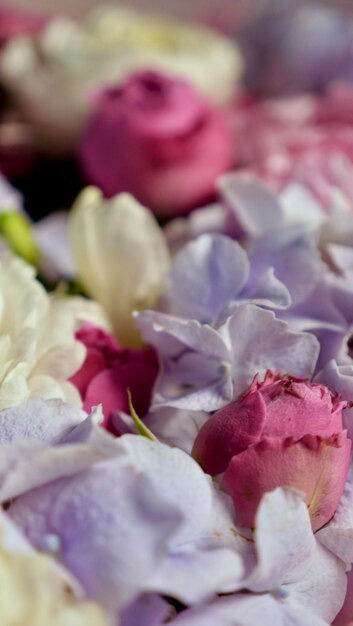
{"x":18,"y":232}
{"x":141,"y":427}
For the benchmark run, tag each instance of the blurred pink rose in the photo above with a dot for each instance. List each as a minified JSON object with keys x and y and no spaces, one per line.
{"x":158,"y":139}
{"x":109,"y":370}
{"x":303,"y":139}
{"x":283,"y":431}
{"x":15,"y":21}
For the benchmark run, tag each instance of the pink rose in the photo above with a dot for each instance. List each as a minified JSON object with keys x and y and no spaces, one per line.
{"x":304,"y":139}
{"x":158,"y":139}
{"x":109,"y":370}
{"x":283,"y":431}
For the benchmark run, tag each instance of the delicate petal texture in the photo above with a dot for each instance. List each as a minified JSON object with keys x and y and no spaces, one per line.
{"x":176,"y":427}
{"x":194,"y":373}
{"x":212,"y":276}
{"x":120,"y":537}
{"x":293,"y":254}
{"x":255,"y":206}
{"x":120,"y":254}
{"x":340,"y":380}
{"x":203,"y":369}
{"x":280,"y":406}
{"x":109,"y":371}
{"x":315,"y":465}
{"x":265,"y":289}
{"x":172,"y":335}
{"x":25,"y":464}
{"x":206,"y":276}
{"x":147,"y":511}
{"x":337,"y":536}
{"x":245,"y":609}
{"x":284,"y":540}
{"x":38,"y":349}
{"x":147,"y":610}
{"x":292,"y":565}
{"x":42,"y":590}
{"x":260,"y":342}
{"x":228,"y":432}
{"x":46,"y":420}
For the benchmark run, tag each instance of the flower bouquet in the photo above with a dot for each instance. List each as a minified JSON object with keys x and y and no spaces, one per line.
{"x":176,"y":362}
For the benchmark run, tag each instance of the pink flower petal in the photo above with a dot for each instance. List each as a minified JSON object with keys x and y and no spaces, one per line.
{"x":316,"y":466}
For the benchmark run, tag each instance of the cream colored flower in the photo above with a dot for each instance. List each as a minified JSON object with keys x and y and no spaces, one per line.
{"x":38,"y":351}
{"x":121,"y":256}
{"x":34,"y":592}
{"x":54,"y":76}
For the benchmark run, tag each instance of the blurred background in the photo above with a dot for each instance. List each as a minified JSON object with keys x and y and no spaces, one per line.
{"x":61,"y":59}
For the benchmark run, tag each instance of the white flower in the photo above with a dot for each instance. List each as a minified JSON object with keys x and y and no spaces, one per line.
{"x":121,"y":256}
{"x":54,"y":76}
{"x":38,"y":351}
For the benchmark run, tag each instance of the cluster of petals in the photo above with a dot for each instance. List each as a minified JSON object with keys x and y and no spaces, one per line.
{"x":155,"y":523}
{"x":178,"y":450}
{"x":39,"y":351}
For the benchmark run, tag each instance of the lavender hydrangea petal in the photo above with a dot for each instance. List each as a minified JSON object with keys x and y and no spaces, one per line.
{"x":194,"y":576}
{"x":265,"y":289}
{"x":261,"y":342}
{"x":195,"y":381}
{"x":291,"y":559}
{"x":311,"y":314}
{"x":130,"y":517}
{"x":206,"y":275}
{"x":26,"y":464}
{"x":293,"y":254}
{"x":254,"y":206}
{"x":284,"y":539}
{"x":171,"y":335}
{"x":339,"y":379}
{"x":176,"y":427}
{"x":147,"y":610}
{"x":45,"y":420}
{"x":264,"y":609}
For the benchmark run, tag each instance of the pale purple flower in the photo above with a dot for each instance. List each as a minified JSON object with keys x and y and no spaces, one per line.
{"x":146,"y":518}
{"x":203,"y":368}
{"x":292,"y":582}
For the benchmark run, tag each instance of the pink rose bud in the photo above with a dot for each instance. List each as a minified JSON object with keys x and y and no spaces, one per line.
{"x":283,"y":432}
{"x":158,"y":139}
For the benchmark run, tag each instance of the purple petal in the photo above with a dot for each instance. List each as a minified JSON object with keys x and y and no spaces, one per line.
{"x":255,"y":207}
{"x":293,"y":255}
{"x":261,"y":342}
{"x":245,"y":609}
{"x":148,"y":610}
{"x":45,"y":420}
{"x":206,"y":275}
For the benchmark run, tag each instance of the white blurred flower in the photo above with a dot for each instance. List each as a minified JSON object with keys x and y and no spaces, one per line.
{"x":121,"y":256}
{"x":35,"y":591}
{"x":55,"y":75}
{"x":38,"y":351}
